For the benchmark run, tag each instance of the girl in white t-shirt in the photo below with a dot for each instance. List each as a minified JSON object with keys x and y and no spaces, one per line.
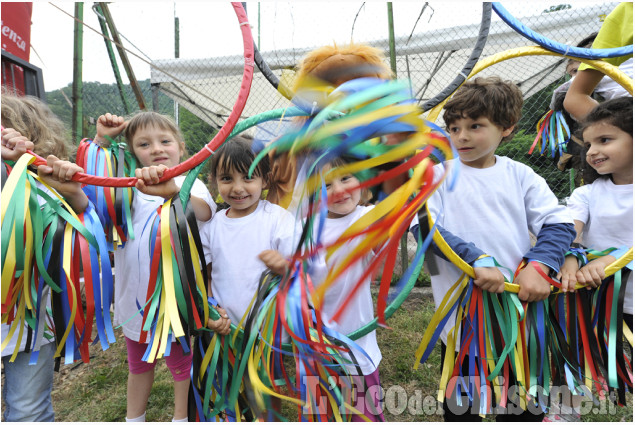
{"x":243,"y":237}
{"x":603,"y":210}
{"x":344,"y":208}
{"x":158,"y":145}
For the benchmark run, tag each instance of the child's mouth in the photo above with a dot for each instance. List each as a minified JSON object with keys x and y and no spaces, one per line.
{"x":599,"y":161}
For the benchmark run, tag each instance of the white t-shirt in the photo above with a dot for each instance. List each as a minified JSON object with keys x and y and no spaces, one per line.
{"x":360,"y":309}
{"x":132,"y":262}
{"x":39,"y":339}
{"x":495,"y":208}
{"x":606,"y":209}
{"x":234,"y":245}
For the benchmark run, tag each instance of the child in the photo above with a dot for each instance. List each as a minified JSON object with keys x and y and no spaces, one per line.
{"x":158,"y":145}
{"x":30,"y":124}
{"x":250,"y":228}
{"x":344,"y":208}
{"x":603,"y":211}
{"x":333,"y":65}
{"x":495,"y":203}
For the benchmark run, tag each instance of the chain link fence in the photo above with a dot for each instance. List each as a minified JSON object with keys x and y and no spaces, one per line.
{"x":431,"y":48}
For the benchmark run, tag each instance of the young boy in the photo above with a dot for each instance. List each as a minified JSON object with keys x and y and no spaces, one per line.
{"x":494,"y":205}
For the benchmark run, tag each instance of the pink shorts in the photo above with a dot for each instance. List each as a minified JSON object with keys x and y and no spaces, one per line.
{"x":178,"y":362}
{"x":369,"y":398}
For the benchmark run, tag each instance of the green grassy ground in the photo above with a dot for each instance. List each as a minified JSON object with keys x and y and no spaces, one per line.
{"x":97,"y":392}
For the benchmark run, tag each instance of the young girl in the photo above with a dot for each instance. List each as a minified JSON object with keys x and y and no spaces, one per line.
{"x":158,"y":145}
{"x":344,"y":198}
{"x":603,"y":210}
{"x":242,"y":237}
{"x":30,"y":124}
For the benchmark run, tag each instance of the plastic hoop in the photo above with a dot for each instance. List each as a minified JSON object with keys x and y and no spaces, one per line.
{"x":563,"y":49}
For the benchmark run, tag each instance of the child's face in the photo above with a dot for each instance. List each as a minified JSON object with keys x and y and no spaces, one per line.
{"x":343,"y":201}
{"x":476,"y":140}
{"x":240,"y":192}
{"x":154,"y":146}
{"x":610,"y":150}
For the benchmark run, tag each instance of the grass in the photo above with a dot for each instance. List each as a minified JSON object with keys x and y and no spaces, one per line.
{"x":96,"y":392}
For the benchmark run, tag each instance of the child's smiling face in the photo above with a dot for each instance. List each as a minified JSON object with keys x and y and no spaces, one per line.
{"x":610,"y":151}
{"x":153,"y":145}
{"x":239,"y":191}
{"x":343,"y":198}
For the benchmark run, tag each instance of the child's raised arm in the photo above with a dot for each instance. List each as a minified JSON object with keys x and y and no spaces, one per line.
{"x":109,"y":125}
{"x":148,"y":183}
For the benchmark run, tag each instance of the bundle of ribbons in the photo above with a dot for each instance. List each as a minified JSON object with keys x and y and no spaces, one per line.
{"x":514,"y":352}
{"x":112,"y":203}
{"x":284,"y":319}
{"x":46,"y":247}
{"x":553,"y":133}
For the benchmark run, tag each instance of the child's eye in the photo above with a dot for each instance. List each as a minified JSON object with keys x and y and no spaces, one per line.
{"x":166,"y":142}
{"x":476,"y":126}
{"x":453,"y":129}
{"x":225,"y":178}
{"x":328,"y":186}
{"x":346,"y":178}
{"x":604,"y":140}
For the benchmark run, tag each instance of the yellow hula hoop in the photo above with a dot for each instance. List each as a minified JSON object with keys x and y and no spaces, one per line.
{"x":512,"y":287}
{"x":612,"y":71}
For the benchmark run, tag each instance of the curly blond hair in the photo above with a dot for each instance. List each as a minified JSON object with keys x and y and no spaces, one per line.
{"x":337,"y":64}
{"x":35,"y":121}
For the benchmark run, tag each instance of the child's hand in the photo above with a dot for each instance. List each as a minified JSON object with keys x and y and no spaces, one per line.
{"x":58,"y":174}
{"x":109,"y":125}
{"x":274,"y":261}
{"x":222,"y":325}
{"x":148,"y":182}
{"x":567,"y":274}
{"x":14,"y":144}
{"x":593,"y":273}
{"x":489,"y":279}
{"x":533,"y":287}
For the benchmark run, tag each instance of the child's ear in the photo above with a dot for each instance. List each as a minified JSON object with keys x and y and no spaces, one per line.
{"x":508,"y":131}
{"x":182,"y":148}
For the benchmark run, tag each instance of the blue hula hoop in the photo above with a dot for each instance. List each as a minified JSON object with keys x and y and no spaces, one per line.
{"x":563,"y":49}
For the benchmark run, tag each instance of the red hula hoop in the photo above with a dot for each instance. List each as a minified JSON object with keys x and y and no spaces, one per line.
{"x":203,"y":154}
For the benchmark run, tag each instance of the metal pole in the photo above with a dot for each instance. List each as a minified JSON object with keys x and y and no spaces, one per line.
{"x":111,"y":56}
{"x":77,"y":95}
{"x":393,"y":66}
{"x":391,"y":40}
{"x":259,"y":46}
{"x":124,"y":58}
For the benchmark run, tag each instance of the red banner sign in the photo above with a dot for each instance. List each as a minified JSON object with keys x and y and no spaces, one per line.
{"x":16,"y":28}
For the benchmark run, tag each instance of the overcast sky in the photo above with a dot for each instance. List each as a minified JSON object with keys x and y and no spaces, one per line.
{"x":209,"y":29}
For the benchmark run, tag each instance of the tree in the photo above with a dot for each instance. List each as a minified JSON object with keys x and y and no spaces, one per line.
{"x":557,"y":8}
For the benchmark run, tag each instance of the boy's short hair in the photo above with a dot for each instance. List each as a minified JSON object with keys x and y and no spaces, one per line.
{"x":499,"y":101}
{"x":146,"y":118}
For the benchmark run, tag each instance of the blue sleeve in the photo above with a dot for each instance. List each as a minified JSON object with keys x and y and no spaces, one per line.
{"x":466,"y":250}
{"x":552,"y":244}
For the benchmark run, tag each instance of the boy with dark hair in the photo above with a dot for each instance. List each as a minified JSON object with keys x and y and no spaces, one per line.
{"x":495,"y":204}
